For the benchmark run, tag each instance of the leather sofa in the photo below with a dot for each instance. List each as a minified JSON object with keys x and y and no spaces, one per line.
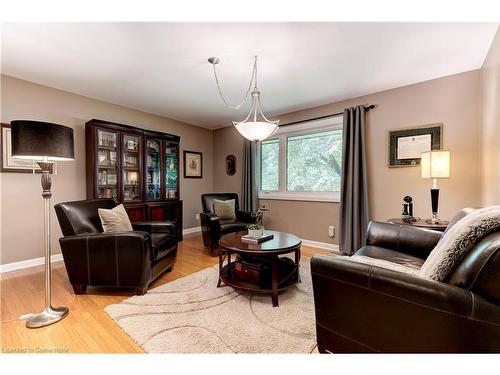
{"x":365,"y":308}
{"x":121,"y":259}
{"x":213,"y":228}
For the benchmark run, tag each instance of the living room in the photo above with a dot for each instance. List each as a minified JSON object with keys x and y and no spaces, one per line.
{"x":250,"y":187}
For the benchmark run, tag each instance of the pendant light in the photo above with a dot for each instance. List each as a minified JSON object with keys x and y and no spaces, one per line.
{"x":256,"y":126}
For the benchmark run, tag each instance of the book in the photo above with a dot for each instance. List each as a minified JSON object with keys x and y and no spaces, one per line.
{"x":250,"y":239}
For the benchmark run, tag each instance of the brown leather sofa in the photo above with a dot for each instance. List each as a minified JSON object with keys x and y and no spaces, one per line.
{"x":213,"y":228}
{"x":364,"y":308}
{"x":121,"y":259}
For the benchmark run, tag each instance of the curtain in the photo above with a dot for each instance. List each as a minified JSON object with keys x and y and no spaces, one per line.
{"x":250,"y":198}
{"x":353,"y":190}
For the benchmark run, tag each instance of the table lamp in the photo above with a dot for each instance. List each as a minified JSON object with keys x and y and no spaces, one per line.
{"x":44,"y":143}
{"x":435,"y":164}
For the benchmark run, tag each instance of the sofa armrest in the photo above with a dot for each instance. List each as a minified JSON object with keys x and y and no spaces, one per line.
{"x":163,"y":227}
{"x":209,"y":219}
{"x":107,"y":258}
{"x":370,"y":308}
{"x":246,"y":216}
{"x":404,"y":238}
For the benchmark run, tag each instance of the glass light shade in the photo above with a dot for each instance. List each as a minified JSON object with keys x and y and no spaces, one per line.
{"x":256,"y":131}
{"x":435,"y":164}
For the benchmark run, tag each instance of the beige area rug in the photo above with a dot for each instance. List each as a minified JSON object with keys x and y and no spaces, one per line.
{"x":192,"y":315}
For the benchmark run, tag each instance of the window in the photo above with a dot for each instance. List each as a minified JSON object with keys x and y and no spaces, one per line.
{"x":303,"y":162}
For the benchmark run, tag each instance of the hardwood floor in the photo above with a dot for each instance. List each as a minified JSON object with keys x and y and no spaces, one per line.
{"x":87,"y":328}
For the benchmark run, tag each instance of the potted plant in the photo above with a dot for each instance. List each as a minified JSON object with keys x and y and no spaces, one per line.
{"x":255,"y":230}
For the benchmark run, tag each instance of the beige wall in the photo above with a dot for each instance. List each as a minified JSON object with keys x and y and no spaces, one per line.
{"x":453,"y":100}
{"x":490,"y":91}
{"x":21,"y":203}
{"x":227,"y":141}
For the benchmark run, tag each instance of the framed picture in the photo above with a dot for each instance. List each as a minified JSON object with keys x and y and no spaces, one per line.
{"x":10,"y":164}
{"x":193,"y":167}
{"x":406,"y":145}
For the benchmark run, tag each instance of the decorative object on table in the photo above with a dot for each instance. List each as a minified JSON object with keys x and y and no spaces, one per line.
{"x":10,"y":164}
{"x":435,"y":164}
{"x":230,"y":165}
{"x":407,"y":215}
{"x":46,"y":143}
{"x":256,"y":126}
{"x":406,"y":145}
{"x":252,"y":238}
{"x":193,"y":164}
{"x":255,"y":230}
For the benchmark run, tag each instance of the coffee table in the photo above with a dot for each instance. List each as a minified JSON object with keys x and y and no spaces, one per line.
{"x":282,"y":243}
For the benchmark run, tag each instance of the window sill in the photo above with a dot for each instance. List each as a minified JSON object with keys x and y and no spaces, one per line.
{"x":329,"y":198}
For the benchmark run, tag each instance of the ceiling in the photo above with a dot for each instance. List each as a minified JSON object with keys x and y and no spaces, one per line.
{"x":162,"y":68}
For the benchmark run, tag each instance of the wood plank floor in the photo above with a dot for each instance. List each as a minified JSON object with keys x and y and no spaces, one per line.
{"x":87,"y":328}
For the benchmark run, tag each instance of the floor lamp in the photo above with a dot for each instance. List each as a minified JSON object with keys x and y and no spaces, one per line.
{"x":44,"y":143}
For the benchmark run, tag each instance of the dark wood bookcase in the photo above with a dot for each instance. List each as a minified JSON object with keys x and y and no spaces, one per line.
{"x":136,"y":167}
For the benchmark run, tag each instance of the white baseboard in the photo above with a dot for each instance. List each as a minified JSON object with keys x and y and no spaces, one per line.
{"x":191,"y":230}
{"x":28,"y":263}
{"x":321,"y":245}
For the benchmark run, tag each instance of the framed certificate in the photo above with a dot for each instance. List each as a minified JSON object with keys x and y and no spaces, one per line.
{"x":406,"y":145}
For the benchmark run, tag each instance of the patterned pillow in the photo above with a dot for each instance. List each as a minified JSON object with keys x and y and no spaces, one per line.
{"x":457,"y":242}
{"x":225,"y":209}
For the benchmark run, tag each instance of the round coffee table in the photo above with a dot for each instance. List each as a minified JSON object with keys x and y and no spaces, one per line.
{"x":284,"y":272}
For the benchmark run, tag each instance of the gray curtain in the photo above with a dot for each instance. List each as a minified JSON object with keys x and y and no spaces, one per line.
{"x":249,"y":200}
{"x":353,"y":190}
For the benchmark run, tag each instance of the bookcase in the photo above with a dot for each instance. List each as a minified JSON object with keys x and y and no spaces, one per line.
{"x":136,"y":167}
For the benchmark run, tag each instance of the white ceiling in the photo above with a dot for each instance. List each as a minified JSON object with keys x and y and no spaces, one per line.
{"x":162,"y":68}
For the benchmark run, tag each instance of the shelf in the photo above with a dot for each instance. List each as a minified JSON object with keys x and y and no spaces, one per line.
{"x":111,"y":148}
{"x":107,"y":166}
{"x":107,"y":186}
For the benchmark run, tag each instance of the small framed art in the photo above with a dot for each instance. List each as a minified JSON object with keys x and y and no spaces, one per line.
{"x":193,"y":164}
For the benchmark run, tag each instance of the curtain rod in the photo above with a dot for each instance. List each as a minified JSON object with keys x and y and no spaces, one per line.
{"x":367,"y":108}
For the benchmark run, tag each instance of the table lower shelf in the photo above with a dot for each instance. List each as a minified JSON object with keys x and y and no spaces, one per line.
{"x":288,"y":273}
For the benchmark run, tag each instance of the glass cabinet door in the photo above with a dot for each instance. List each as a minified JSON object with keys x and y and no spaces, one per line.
{"x":171,"y":170}
{"x":153,"y":169}
{"x":131,"y":165}
{"x":106,"y":164}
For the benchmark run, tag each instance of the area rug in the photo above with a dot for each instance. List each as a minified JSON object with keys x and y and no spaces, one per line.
{"x":192,"y":315}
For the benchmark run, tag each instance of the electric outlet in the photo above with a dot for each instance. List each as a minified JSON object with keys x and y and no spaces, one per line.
{"x":331,"y":231}
{"x":197,"y":216}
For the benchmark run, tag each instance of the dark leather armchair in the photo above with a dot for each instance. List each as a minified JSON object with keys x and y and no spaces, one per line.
{"x":121,"y":259}
{"x":213,"y":228}
{"x":365,"y":308}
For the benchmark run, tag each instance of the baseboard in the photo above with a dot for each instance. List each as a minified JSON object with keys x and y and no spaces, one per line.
{"x":28,"y":263}
{"x":321,"y":245}
{"x":191,"y":230}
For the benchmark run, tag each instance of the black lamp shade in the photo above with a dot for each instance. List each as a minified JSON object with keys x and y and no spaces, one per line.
{"x":37,"y":140}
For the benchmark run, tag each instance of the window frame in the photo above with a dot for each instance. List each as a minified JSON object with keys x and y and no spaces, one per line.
{"x":309,"y":127}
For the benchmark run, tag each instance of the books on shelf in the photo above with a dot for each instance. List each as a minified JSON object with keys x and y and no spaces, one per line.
{"x":250,"y":239}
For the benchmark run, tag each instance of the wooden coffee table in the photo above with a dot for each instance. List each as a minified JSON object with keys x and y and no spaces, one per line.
{"x":282,"y":243}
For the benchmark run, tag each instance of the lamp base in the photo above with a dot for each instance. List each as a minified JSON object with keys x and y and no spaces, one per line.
{"x":49,"y":315}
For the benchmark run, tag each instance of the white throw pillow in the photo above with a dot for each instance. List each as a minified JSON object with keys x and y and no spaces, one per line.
{"x":115,"y":219}
{"x":225,"y":209}
{"x":458,"y":240}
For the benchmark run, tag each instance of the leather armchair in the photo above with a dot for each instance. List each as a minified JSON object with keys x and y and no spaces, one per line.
{"x":213,"y":228}
{"x":365,"y":308}
{"x":121,"y":259}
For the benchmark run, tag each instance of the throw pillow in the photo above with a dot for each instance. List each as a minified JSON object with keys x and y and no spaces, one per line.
{"x":225,"y":209}
{"x":457,"y":242}
{"x":115,"y":219}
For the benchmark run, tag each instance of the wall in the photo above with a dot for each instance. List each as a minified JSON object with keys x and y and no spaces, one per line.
{"x":22,"y":205}
{"x":452,"y":100}
{"x":227,"y":141}
{"x":490,"y":92}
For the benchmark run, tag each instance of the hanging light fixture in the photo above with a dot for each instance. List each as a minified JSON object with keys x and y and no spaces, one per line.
{"x":256,"y":126}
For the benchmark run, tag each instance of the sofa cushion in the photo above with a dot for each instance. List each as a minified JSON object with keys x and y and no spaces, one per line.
{"x":225,"y":209}
{"x":458,"y":241}
{"x":230,"y":226}
{"x":162,"y":244}
{"x":390,"y":255}
{"x":115,"y":219}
